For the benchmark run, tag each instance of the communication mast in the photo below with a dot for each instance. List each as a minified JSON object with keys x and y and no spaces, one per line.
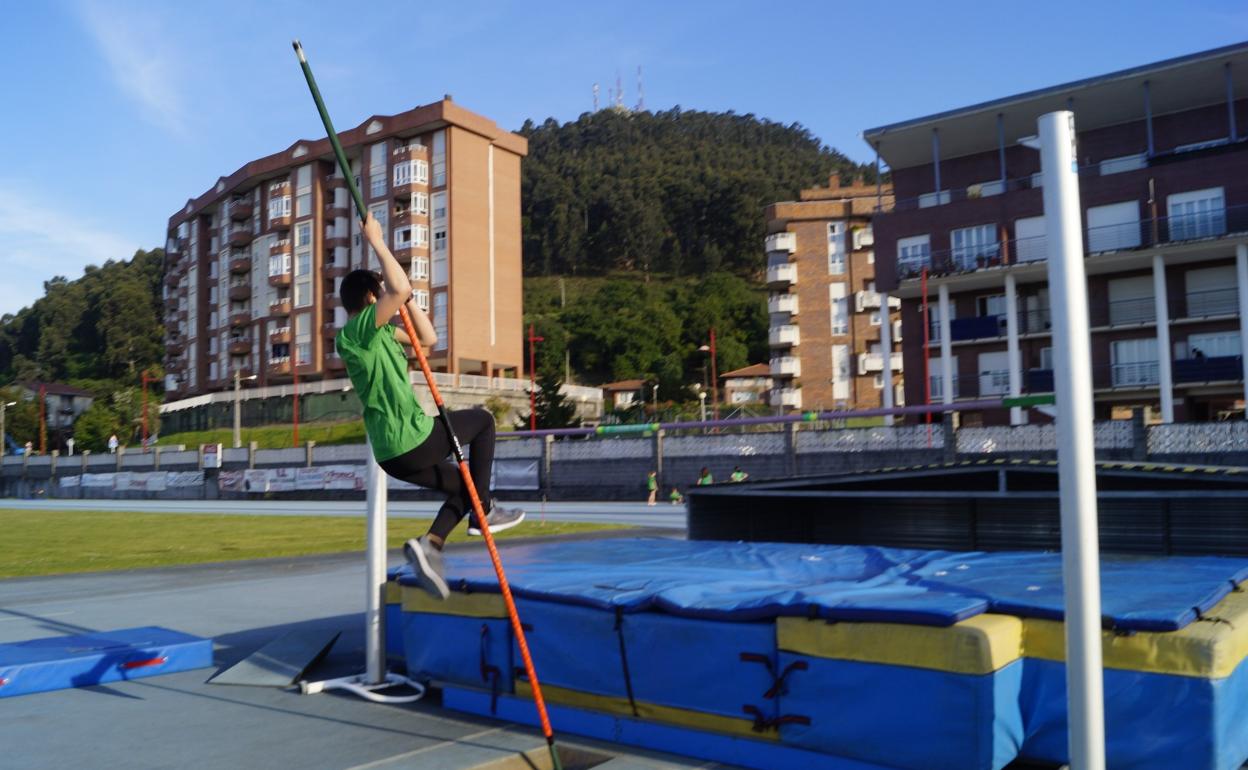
{"x":641,"y":93}
{"x":619,"y":91}
{"x":595,"y":97}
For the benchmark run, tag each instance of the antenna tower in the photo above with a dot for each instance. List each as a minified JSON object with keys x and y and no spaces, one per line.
{"x":641,"y":93}
{"x":619,"y":91}
{"x":595,"y":97}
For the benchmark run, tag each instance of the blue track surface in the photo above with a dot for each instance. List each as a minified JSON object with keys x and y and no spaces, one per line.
{"x":755,"y":581}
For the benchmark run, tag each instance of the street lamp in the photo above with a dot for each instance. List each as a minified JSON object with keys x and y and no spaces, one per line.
{"x":702,"y":406}
{"x":714,"y":374}
{"x":654,"y":394}
{"x":533,"y":340}
{"x":4,"y":405}
{"x":238,"y":422}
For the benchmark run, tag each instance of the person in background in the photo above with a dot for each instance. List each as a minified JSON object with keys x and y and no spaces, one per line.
{"x":652,"y":484}
{"x":676,"y":497}
{"x":112,"y":444}
{"x":705,"y":478}
{"x":738,"y":475}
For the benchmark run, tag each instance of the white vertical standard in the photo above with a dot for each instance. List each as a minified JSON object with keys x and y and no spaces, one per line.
{"x":1241,"y":281}
{"x":490,"y":195}
{"x":1162,"y":310}
{"x":1011,"y":345}
{"x":1076,"y":459}
{"x":375,"y":573}
{"x":946,"y":348}
{"x":886,"y":348}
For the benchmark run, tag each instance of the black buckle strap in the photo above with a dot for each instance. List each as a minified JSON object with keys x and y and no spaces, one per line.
{"x":764,"y":724}
{"x":778,"y":680}
{"x":628,"y":679}
{"x":490,"y":674}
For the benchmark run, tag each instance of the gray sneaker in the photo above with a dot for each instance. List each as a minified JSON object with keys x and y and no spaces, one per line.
{"x":426,"y":562}
{"x":499,"y":519}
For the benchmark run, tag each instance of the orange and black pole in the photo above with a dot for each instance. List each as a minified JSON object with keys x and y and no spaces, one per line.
{"x":444,"y":418}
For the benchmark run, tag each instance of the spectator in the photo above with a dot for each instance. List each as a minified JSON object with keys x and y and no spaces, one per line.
{"x":738,"y":475}
{"x":112,"y":444}
{"x":676,"y":497}
{"x":652,"y":484}
{"x":705,"y":478}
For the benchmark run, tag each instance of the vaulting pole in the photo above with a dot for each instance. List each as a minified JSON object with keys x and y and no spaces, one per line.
{"x":444,"y":417}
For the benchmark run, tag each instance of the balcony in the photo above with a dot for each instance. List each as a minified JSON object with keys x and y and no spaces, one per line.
{"x":239,"y":265}
{"x":241,"y":318}
{"x":869,"y":363}
{"x":240,"y":346}
{"x":784,"y":336}
{"x":280,"y":223}
{"x":782,"y":276}
{"x":976,"y":328}
{"x":280,"y":336}
{"x":789,"y":398}
{"x":280,"y":247}
{"x":280,"y":308}
{"x":1039,"y":381}
{"x":172,"y":279}
{"x":1212,"y":303}
{"x":174,"y":345}
{"x":786,"y":242}
{"x":280,"y":279}
{"x":240,"y":209}
{"x":176,"y":365}
{"x":871,"y":299}
{"x":240,"y":237}
{"x":336,"y":181}
{"x":786,"y":366}
{"x":334,"y":270}
{"x":334,"y":363}
{"x":1132,"y":374}
{"x":329,"y":329}
{"x":897,"y":330}
{"x":240,"y":292}
{"x":782,"y":303}
{"x":279,"y":367}
{"x":1209,"y":369}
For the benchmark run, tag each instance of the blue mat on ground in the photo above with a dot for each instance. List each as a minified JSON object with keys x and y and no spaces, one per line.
{"x":83,"y":660}
{"x":756,"y":581}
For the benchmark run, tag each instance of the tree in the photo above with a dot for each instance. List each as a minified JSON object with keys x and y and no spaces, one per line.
{"x":553,"y":408}
{"x":94,"y":426}
{"x":498,"y":408}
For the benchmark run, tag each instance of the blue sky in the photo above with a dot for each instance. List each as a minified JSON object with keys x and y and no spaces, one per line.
{"x":116,"y":112}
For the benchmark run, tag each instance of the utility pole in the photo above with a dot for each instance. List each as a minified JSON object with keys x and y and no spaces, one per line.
{"x":295,"y":403}
{"x":533,"y":340}
{"x":238,"y":417}
{"x":4,"y":437}
{"x":145,"y":379}
{"x":714,"y":374}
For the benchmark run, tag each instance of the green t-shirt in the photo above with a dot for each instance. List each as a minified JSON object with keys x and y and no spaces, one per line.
{"x":704,"y":480}
{"x":377,"y":367}
{"x":651,"y":483}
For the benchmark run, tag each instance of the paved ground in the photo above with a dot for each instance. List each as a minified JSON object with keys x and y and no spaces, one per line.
{"x":636,"y":514}
{"x":179,"y":721}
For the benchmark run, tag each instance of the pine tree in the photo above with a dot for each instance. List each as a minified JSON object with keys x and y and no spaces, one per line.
{"x":553,"y":408}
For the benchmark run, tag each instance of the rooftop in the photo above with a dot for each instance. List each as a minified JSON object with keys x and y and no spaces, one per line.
{"x":1178,"y":84}
{"x":753,"y":370}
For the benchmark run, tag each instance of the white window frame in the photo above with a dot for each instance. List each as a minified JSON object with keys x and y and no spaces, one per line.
{"x":439,"y":239}
{"x":420,"y":268}
{"x":1197,"y":214}
{"x":279,"y":207}
{"x":402,"y":237}
{"x":836,"y":247}
{"x":968,"y":244}
{"x":915,"y":250}
{"x":420,"y":203}
{"x":420,"y":235}
{"x":838,"y":309}
{"x":1129,"y":365}
{"x":1113,"y":226}
{"x":422,"y":299}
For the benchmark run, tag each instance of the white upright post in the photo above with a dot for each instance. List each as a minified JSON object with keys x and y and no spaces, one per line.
{"x":1075,"y":453}
{"x":375,"y":606}
{"x":886,"y":347}
{"x":1241,"y":277}
{"x":1013,"y":356}
{"x":946,"y":348}
{"x":1162,"y":311}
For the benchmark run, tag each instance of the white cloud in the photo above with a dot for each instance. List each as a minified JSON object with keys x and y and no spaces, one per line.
{"x":39,"y":240}
{"x":141,"y":61}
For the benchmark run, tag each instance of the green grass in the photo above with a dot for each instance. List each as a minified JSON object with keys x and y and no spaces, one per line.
{"x":59,"y":542}
{"x":273,"y":436}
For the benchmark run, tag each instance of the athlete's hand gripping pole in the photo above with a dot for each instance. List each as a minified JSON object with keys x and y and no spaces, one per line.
{"x":345,"y":167}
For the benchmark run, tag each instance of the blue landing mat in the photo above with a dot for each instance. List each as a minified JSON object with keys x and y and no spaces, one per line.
{"x":756,"y":581}
{"x":83,"y":660}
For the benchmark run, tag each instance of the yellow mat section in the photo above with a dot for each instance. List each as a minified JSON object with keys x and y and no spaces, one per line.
{"x":394,"y":593}
{"x":619,"y":706}
{"x":978,"y":645}
{"x":458,"y":603}
{"x":1209,"y":648}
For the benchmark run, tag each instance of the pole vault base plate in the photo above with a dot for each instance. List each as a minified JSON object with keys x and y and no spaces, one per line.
{"x":281,"y":662}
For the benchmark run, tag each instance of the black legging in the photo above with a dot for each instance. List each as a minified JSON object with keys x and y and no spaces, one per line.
{"x":427,"y":466}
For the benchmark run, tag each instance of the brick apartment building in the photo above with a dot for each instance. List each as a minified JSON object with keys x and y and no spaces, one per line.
{"x":253,"y":265}
{"x":1163,"y":171}
{"x":825,"y":314}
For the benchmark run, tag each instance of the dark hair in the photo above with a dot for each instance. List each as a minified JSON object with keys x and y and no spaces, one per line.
{"x":356,"y":287}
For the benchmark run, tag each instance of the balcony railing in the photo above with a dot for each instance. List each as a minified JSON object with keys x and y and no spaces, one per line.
{"x":784,"y":336}
{"x":1132,"y":374}
{"x":976,"y":328}
{"x":782,"y":275}
{"x":1212,"y":302}
{"x":869,"y":363}
{"x":1209,"y":369}
{"x":786,"y":366}
{"x":787,"y":397}
{"x":781,"y":242}
{"x":1145,"y":233}
{"x":782,"y":303}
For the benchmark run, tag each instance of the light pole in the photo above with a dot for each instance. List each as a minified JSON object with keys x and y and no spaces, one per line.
{"x":654,"y":394}
{"x":702,"y":405}
{"x":4,"y":405}
{"x":533,"y":340}
{"x":714,"y":374}
{"x":238,"y":421}
{"x":145,"y":379}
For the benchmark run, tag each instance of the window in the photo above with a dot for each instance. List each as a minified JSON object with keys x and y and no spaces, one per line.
{"x":438,"y":276}
{"x":439,"y":206}
{"x":913,"y":255}
{"x":1114,"y":227}
{"x":380,"y":212}
{"x":303,"y":234}
{"x":1134,"y":362}
{"x":422,"y":300}
{"x":990,"y":305}
{"x":439,"y":158}
{"x":303,"y":338}
{"x":1211,"y":345}
{"x":439,"y":239}
{"x":421,"y":235}
{"x":420,"y":203}
{"x":1212,"y":291}
{"x":303,"y":264}
{"x":836,"y":248}
{"x":303,"y":204}
{"x":303,"y":292}
{"x":439,"y":319}
{"x":875,"y":317}
{"x":402,"y":238}
{"x":933,"y":315}
{"x":994,"y":373}
{"x":279,"y":264}
{"x":1131,"y":300}
{"x":1046,"y":358}
{"x":974,"y":247}
{"x":936,"y":384}
{"x":840,"y":372}
{"x":1123,"y":163}
{"x":839,"y":308}
{"x":279,"y":207}
{"x":1030,"y":243}
{"x":377,"y":185}
{"x":420,"y":268}
{"x":1197,"y":214}
{"x":878,"y":382}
